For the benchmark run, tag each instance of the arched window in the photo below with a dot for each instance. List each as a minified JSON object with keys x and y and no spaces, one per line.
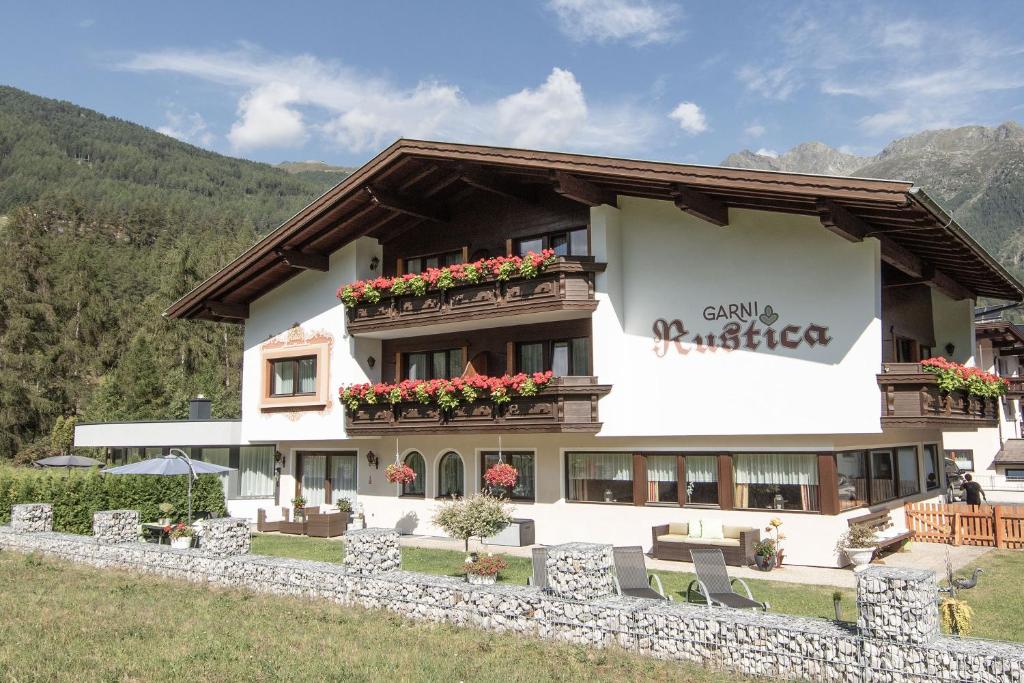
{"x":419,"y":485}
{"x":450,"y":476}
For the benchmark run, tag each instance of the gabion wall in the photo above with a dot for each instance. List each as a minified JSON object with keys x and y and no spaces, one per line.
{"x":115,"y":526}
{"x":580,"y":571}
{"x":225,"y":537}
{"x":898,"y":604}
{"x":372,"y":551}
{"x":30,"y":517}
{"x":749,"y":643}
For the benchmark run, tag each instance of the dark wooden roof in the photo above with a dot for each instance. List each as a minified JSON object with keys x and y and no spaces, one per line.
{"x":413,"y":182}
{"x":1006,"y":338}
{"x":1012,"y":453}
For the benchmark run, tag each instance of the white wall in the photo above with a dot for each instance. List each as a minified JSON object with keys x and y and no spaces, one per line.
{"x":674,"y":265}
{"x":309,"y":299}
{"x":167,"y":433}
{"x":954,"y":323}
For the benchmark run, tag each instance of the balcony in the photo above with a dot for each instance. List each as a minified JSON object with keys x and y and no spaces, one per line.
{"x":564,"y":291}
{"x":567,"y":404}
{"x":911,"y":398}
{"x":1016,"y":389}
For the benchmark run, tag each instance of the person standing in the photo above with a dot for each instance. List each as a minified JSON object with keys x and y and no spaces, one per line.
{"x":973,"y":491}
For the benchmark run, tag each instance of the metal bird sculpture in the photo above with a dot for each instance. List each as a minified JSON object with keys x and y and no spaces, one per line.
{"x":964,"y":584}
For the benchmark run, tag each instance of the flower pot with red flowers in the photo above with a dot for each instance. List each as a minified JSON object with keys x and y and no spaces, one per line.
{"x":484,"y":570}
{"x":180,"y":535}
{"x":400,"y":473}
{"x":501,"y":475}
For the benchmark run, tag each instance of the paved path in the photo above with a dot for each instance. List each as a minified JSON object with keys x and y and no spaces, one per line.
{"x":920,"y":556}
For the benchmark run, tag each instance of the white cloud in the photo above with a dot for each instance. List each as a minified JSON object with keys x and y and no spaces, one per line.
{"x":187,"y":127}
{"x":690,"y":118}
{"x":754,"y":130}
{"x":287,"y":100}
{"x":910,"y":73}
{"x":639,"y":22}
{"x":86,"y":23}
{"x":266,"y":120}
{"x":765,"y":152}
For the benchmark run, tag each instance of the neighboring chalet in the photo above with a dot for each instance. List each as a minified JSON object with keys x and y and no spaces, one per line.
{"x":725,"y":343}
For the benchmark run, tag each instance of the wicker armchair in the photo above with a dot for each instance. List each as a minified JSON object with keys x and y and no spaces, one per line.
{"x":673,"y":542}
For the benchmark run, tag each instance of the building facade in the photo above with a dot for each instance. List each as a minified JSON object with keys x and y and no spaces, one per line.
{"x":725,"y":344}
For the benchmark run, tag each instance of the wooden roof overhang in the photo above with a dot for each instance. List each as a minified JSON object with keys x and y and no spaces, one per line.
{"x":412,"y":183}
{"x":1007,"y":339}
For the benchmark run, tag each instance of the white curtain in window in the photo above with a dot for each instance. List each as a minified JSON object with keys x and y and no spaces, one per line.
{"x":702,"y":468}
{"x":662,"y":468}
{"x":343,"y":478}
{"x":776,"y":468}
{"x":222,"y":457}
{"x":607,"y":466}
{"x":307,"y":376}
{"x":284,"y":377}
{"x":256,"y":471}
{"x":314,"y":469}
{"x":450,"y":477}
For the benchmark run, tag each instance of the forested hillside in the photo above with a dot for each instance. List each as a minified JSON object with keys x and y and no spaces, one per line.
{"x":102,"y":224}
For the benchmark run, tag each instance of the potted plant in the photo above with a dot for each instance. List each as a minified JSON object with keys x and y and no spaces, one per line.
{"x":299,"y":503}
{"x":779,"y":537}
{"x":479,"y":515}
{"x":400,"y":473}
{"x":180,"y":535}
{"x":764,"y":554}
{"x":484,"y":570}
{"x":166,"y":510}
{"x":859,"y":545}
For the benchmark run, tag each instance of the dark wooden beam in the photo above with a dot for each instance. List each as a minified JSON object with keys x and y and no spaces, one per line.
{"x":492,"y":183}
{"x":304,"y":260}
{"x":579,"y":190}
{"x":226,"y":310}
{"x":700,"y":205}
{"x":840,"y":221}
{"x":412,"y":206}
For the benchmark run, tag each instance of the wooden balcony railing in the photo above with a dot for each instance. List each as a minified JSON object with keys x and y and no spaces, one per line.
{"x":1016,"y":389}
{"x":566,"y":404}
{"x":911,"y":398}
{"x":566,"y":286}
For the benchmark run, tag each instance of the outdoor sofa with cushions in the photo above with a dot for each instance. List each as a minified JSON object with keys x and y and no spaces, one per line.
{"x":673,"y":541}
{"x":270,"y":520}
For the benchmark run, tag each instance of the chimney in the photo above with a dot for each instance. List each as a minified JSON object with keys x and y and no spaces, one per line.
{"x":199,"y":408}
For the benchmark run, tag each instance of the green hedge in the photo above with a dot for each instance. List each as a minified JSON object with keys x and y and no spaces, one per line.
{"x":75,"y":496}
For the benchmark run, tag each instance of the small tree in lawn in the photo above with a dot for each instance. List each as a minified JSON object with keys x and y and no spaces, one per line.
{"x":480,"y":515}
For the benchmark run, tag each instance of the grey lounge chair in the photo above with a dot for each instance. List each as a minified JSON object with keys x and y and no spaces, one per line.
{"x":631,"y":577}
{"x":714,"y":585}
{"x":540,"y":569}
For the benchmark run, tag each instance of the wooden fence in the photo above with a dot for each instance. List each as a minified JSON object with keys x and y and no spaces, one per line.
{"x":999,"y":526}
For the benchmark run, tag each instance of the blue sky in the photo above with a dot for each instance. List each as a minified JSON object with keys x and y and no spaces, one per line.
{"x":687,"y":81}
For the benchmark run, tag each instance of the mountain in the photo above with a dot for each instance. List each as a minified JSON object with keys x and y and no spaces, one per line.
{"x":102,"y":224}
{"x":975,"y":172}
{"x":316,"y":171}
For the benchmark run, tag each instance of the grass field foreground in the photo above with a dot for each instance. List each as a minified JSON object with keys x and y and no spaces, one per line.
{"x":65,"y":622}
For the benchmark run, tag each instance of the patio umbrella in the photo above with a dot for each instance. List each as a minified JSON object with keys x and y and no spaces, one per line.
{"x":68,"y":461}
{"x":174,"y":464}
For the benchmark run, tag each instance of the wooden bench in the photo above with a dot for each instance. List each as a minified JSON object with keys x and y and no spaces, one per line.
{"x":879,"y":522}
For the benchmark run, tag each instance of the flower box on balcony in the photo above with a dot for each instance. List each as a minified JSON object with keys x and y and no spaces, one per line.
{"x":565,"y":289}
{"x":912,"y":397}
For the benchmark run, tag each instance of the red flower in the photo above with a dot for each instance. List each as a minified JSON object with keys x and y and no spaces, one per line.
{"x":501,"y":475}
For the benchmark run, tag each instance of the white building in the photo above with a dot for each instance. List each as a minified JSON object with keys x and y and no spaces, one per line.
{"x":731,"y":344}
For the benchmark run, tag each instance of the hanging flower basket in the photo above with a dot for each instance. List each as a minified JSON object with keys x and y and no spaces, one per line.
{"x":400,"y":474}
{"x":501,"y":475}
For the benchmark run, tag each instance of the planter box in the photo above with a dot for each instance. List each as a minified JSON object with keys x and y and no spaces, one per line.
{"x":566,"y":286}
{"x":911,"y":398}
{"x":517,"y":534}
{"x":566,"y":404}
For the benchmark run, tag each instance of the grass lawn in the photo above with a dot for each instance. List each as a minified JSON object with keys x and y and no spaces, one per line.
{"x":65,"y":622}
{"x":997,"y":602}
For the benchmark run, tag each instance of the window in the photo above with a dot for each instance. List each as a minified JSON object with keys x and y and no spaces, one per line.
{"x":419,"y":264}
{"x":852,"y":473}
{"x":450,"y":477}
{"x":443,"y":364}
{"x":523,"y":462}
{"x":419,"y":485}
{"x":663,"y":479}
{"x":776,"y":481}
{"x":964,"y":459}
{"x":327,"y":477}
{"x":1015,"y":475}
{"x":907,"y":350}
{"x":342,"y":470}
{"x":702,"y":479}
{"x":883,"y":476}
{"x":314,"y":480}
{"x":256,"y":471}
{"x":600,"y":477}
{"x":567,"y":357}
{"x":565,"y":243}
{"x":293,"y":376}
{"x":932,"y":478}
{"x":907,"y":468}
